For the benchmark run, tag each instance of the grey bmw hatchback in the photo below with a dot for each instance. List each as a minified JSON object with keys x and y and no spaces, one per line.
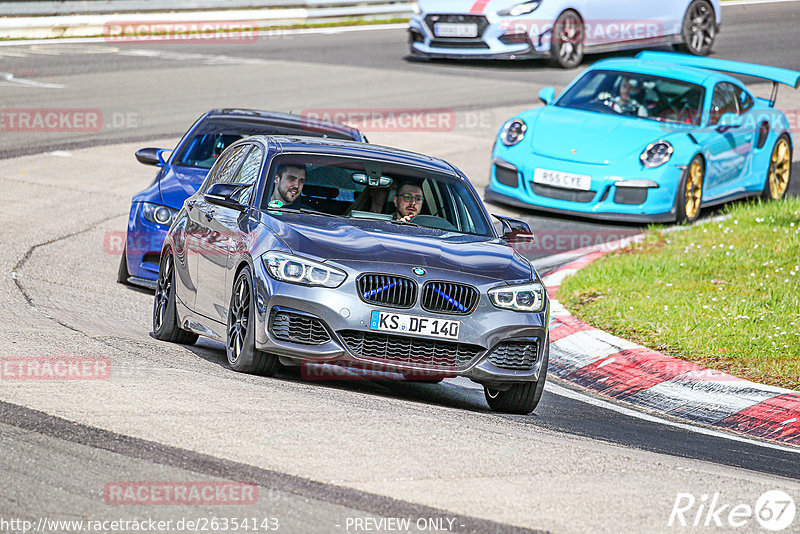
{"x":302,"y":251}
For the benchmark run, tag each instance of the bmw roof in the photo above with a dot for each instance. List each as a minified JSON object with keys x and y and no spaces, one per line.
{"x":284,"y":119}
{"x":318,"y":145}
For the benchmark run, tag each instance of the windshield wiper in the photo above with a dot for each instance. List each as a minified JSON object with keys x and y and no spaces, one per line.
{"x":404,"y":223}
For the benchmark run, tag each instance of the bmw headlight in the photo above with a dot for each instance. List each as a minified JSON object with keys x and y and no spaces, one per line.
{"x":297,"y":270}
{"x":524,"y":297}
{"x":656,"y":154}
{"x":520,"y":9}
{"x":415,"y":8}
{"x":513,"y":132}
{"x":156,"y":213}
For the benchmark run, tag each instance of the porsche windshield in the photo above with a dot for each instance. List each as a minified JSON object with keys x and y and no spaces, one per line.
{"x":636,"y":95}
{"x":366,"y":189}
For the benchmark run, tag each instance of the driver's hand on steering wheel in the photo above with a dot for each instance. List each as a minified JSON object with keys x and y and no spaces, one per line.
{"x":408,"y":217}
{"x":605,"y":95}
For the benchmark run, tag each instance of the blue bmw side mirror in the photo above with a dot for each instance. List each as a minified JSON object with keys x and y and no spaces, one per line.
{"x":547,"y":95}
{"x":151,"y":156}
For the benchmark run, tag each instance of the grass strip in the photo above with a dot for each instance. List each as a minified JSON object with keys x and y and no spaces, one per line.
{"x":723,"y":294}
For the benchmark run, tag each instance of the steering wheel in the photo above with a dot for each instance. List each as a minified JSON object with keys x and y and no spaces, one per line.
{"x":432,"y":221}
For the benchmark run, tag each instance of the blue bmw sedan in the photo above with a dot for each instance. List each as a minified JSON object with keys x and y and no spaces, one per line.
{"x":183,"y":170}
{"x":301,"y":252}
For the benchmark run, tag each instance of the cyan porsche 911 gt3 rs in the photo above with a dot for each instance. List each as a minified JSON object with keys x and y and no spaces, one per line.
{"x":655,"y":138}
{"x":283,"y":256}
{"x":559,"y":30}
{"x":153,"y":209}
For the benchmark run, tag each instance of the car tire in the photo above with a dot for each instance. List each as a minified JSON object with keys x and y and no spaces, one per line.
{"x":165,"y":317}
{"x":699,"y":29}
{"x":566,"y":42}
{"x":122,"y":271}
{"x":240,"y":339}
{"x":690,"y":191}
{"x":779,"y":173}
{"x":520,"y":398}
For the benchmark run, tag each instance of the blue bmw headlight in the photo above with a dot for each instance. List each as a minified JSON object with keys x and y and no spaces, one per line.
{"x":520,"y":9}
{"x":513,"y":132}
{"x":524,"y":297}
{"x":296,"y":270}
{"x":155,"y":213}
{"x":656,"y":154}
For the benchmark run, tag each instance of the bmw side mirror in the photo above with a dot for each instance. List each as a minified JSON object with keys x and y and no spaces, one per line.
{"x":515,"y":230}
{"x":547,"y":95}
{"x":226,"y":195}
{"x":729,"y":121}
{"x":151,"y":156}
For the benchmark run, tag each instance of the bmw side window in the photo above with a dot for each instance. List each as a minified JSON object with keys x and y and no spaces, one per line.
{"x":724,"y":101}
{"x":229,"y":166}
{"x":248,"y":173}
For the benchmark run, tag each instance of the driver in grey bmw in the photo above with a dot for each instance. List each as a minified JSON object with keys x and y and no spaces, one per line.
{"x":408,"y":201}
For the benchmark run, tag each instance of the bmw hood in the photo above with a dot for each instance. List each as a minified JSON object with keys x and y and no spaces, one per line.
{"x":356,"y":243}
{"x":474,"y":7}
{"x":589,"y":137}
{"x":179,"y":183}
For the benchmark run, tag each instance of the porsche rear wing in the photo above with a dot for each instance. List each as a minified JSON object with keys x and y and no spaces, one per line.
{"x":774,"y":74}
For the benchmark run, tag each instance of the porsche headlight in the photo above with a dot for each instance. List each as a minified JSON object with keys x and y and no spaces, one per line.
{"x":156,"y":213}
{"x":524,"y":298}
{"x":513,"y":132}
{"x":415,"y":8}
{"x":656,"y":154}
{"x":297,"y":270}
{"x":520,"y":9}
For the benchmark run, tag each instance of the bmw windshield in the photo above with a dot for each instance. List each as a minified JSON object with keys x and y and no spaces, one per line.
{"x":366,"y":189}
{"x":636,"y":95}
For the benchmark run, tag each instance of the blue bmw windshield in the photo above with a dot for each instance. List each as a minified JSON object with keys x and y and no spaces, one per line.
{"x":636,"y":95}
{"x":212,"y":137}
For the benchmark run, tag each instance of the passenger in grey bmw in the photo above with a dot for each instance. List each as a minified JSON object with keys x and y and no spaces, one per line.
{"x":289,"y":182}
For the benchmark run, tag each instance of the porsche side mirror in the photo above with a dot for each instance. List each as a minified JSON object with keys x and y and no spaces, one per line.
{"x":151,"y":156}
{"x":515,"y":230}
{"x":547,"y":95}
{"x":729,"y":121}
{"x":226,"y":195}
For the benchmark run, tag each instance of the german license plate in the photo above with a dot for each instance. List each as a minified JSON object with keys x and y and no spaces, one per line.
{"x":449,"y":29}
{"x":564,"y":180}
{"x":414,"y":324}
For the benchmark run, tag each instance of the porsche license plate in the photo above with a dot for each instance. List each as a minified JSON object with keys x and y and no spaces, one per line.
{"x":414,"y":324}
{"x":565,"y":180}
{"x":449,"y":29}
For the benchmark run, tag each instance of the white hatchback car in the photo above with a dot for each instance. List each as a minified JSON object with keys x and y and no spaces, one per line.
{"x":559,"y":30}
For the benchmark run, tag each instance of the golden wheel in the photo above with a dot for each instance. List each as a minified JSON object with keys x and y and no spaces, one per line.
{"x":780,"y":170}
{"x":690,"y":194}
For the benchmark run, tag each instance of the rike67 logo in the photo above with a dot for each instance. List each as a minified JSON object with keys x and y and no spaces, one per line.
{"x":774,"y":511}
